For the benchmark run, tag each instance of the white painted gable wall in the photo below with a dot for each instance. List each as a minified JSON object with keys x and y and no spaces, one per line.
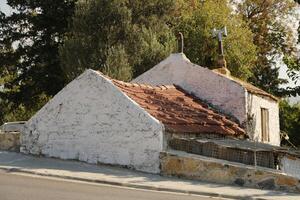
{"x":202,"y":82}
{"x":255,"y":103}
{"x":92,"y":120}
{"x":218,"y":90}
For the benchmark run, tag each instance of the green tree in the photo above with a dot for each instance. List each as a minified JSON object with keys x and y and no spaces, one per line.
{"x":122,"y":38}
{"x":290,"y":121}
{"x":197,"y":19}
{"x":271,"y":36}
{"x":293,"y":63}
{"x":30,"y":66}
{"x":290,"y":114}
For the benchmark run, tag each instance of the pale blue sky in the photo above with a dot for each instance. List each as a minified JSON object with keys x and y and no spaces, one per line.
{"x":4,"y":7}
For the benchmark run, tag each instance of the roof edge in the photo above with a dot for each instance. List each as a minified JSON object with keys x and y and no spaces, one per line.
{"x":111,"y":81}
{"x":255,"y":90}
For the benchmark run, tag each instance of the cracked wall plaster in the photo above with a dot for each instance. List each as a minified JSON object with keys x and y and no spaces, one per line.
{"x":93,"y":121}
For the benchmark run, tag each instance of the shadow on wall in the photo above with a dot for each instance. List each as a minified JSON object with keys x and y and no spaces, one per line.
{"x":251,"y":120}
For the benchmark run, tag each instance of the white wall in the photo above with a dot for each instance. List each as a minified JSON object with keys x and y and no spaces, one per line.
{"x":91,"y":120}
{"x":255,"y":103}
{"x":222,"y":92}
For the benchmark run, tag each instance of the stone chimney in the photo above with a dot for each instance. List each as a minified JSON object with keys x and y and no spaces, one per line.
{"x":222,"y":66}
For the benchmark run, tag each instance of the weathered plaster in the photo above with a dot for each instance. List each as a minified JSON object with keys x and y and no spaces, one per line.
{"x":255,"y":103}
{"x":219,"y":171}
{"x":221,"y":92}
{"x":92,"y":120}
{"x":10,"y":141}
{"x":291,"y":166}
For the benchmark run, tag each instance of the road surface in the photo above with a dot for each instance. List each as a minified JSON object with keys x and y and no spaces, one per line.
{"x":25,"y":187}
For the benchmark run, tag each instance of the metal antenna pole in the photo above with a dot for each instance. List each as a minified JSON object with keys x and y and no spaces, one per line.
{"x":180,"y":42}
{"x":219,"y":34}
{"x":220,"y":44}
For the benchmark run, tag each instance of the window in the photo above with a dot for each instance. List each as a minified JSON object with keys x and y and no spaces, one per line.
{"x":265,"y":125}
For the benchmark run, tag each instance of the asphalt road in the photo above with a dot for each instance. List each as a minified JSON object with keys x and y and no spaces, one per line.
{"x":25,"y":187}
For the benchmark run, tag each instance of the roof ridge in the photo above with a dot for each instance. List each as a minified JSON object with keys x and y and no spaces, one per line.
{"x":178,"y":109}
{"x":143,"y":86}
{"x":248,"y":86}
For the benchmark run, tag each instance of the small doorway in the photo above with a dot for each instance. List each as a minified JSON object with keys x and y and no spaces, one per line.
{"x":265,"y":125}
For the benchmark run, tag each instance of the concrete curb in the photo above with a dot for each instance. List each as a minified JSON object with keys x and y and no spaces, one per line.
{"x":129,"y":185}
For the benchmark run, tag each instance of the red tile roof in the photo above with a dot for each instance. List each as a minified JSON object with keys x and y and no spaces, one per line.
{"x":178,"y":110}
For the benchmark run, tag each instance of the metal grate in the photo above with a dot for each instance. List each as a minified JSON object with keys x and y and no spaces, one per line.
{"x":210,"y":149}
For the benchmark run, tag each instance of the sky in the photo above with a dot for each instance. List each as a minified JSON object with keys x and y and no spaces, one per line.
{"x":282,"y":73}
{"x":4,"y":7}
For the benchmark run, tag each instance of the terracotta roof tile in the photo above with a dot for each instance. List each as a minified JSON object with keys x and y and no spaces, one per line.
{"x":178,"y":110}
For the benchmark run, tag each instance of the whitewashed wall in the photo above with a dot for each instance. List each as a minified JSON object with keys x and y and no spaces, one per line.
{"x":92,"y":120}
{"x":255,"y":103}
{"x":222,"y":92}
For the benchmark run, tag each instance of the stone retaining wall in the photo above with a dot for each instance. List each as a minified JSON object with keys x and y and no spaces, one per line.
{"x":10,"y":141}
{"x":202,"y":168}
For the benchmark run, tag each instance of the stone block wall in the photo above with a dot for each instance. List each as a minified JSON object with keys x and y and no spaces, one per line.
{"x":10,"y":141}
{"x":202,"y":168}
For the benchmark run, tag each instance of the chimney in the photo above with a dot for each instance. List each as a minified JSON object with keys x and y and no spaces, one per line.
{"x":221,"y":62}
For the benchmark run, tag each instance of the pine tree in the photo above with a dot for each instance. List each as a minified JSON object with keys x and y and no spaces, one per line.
{"x":29,"y":40}
{"x":122,"y":38}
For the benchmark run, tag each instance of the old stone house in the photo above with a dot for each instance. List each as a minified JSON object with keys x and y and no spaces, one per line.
{"x":255,"y":110}
{"x":177,"y":119}
{"x":100,"y":120}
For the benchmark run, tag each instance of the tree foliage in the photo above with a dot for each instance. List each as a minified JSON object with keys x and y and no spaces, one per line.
{"x":197,"y":19}
{"x":293,"y":63}
{"x":271,"y":36}
{"x":45,"y":44}
{"x":30,"y":67}
{"x":290,"y":121}
{"x":122,"y":38}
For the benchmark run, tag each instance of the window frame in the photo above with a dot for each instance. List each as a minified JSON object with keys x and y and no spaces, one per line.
{"x":265,"y":124}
